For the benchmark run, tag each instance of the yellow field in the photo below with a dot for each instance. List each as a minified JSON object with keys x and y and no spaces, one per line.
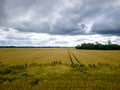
{"x":59,"y":69}
{"x":47,"y":55}
{"x":95,"y":56}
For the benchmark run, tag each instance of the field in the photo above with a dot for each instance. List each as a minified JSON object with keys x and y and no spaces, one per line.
{"x":46,"y":55}
{"x":59,"y":68}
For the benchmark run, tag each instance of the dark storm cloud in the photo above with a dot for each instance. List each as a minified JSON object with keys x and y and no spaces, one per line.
{"x":2,"y":13}
{"x":61,"y":17}
{"x":109,"y":24}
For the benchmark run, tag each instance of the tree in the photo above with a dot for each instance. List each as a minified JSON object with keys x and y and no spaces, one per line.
{"x":98,"y":46}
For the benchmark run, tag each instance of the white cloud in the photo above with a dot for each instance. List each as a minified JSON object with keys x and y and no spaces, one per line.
{"x":14,"y":37}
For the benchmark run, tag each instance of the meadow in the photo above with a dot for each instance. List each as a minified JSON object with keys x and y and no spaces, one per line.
{"x":59,"y":68}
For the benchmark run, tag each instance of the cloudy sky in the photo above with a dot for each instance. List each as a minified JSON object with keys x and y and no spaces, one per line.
{"x":59,"y":22}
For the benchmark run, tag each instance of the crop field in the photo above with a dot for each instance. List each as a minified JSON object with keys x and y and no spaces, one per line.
{"x":59,"y":69}
{"x":46,"y":55}
{"x":32,"y":55}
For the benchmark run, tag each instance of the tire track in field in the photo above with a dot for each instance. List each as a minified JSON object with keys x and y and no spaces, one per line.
{"x":76,"y":58}
{"x":72,"y":63}
{"x":71,"y":59}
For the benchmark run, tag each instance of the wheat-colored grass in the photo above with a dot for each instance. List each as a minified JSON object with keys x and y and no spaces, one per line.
{"x":47,"y":55}
{"x":96,"y":56}
{"x":33,"y":55}
{"x":59,"y":69}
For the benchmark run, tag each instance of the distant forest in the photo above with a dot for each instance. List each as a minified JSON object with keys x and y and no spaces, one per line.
{"x":98,"y":46}
{"x":31,"y":47}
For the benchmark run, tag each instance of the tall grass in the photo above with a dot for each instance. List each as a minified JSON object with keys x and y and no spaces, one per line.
{"x":57,"y":69}
{"x":57,"y":75}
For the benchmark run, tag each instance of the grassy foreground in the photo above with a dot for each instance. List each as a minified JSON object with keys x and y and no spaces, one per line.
{"x":59,"y":69}
{"x":57,"y":76}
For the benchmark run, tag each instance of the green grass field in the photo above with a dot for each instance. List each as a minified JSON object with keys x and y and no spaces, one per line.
{"x":59,"y":68}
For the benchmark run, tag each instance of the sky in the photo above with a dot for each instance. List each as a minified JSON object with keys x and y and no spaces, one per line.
{"x":59,"y":22}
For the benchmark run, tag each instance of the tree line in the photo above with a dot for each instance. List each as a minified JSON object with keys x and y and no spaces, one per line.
{"x":98,"y":46}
